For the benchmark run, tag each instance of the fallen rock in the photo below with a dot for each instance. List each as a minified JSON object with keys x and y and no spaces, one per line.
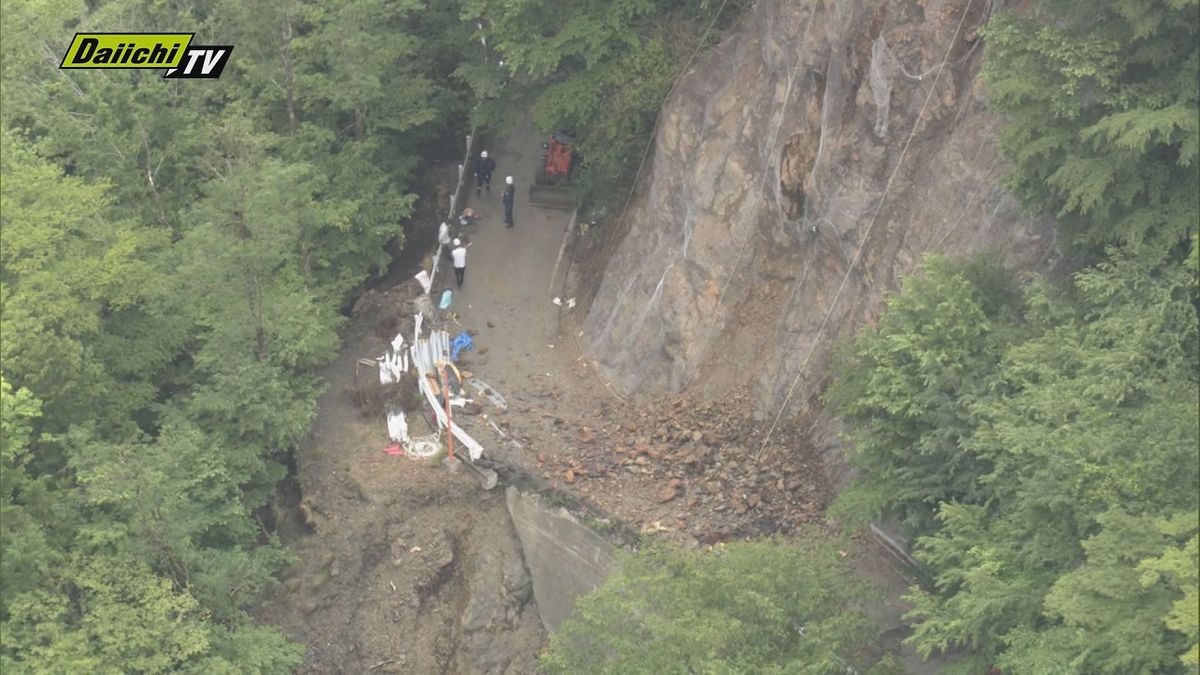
{"x":667,"y":494}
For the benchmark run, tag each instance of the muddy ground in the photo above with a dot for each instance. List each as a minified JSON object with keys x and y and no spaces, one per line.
{"x":409,"y":568}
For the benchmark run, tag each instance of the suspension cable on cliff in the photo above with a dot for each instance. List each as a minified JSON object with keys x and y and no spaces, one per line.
{"x":862,"y":244}
{"x":658,"y":116}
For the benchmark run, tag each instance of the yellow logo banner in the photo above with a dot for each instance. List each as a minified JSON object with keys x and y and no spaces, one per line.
{"x":127,"y":50}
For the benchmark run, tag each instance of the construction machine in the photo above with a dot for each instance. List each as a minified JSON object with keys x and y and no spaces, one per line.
{"x":551,"y":184}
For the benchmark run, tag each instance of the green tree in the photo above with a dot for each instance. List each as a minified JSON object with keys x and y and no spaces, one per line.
{"x":65,"y":265}
{"x":1092,"y":440}
{"x":27,"y":505}
{"x":745,"y":607}
{"x":606,"y":67}
{"x":1084,"y":463}
{"x":172,"y":259}
{"x":1179,"y":566}
{"x":906,"y":388}
{"x":1101,"y":100}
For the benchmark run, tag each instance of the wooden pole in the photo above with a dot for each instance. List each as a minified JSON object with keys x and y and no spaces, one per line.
{"x":449,"y":419}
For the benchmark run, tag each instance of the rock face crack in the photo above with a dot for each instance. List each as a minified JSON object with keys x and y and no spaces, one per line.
{"x":793,"y":101}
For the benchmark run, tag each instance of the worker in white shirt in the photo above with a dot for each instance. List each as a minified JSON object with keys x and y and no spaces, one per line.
{"x":444,"y":239}
{"x":458,"y":255}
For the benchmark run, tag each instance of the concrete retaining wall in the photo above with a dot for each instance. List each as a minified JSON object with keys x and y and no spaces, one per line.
{"x":565,"y":558}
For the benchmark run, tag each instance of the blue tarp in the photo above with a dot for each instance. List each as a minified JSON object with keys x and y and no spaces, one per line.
{"x":461,"y":342}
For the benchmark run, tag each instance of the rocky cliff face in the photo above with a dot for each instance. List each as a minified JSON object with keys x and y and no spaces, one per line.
{"x":815,"y":129}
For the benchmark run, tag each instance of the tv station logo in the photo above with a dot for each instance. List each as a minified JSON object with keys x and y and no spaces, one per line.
{"x":173,"y":52}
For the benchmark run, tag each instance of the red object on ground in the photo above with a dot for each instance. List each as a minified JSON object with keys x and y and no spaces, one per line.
{"x":394,"y":449}
{"x":558,"y":160}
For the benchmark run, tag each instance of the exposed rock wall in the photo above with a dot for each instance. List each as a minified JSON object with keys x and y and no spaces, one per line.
{"x":775,"y":158}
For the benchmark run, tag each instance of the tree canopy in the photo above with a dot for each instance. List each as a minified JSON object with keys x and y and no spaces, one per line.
{"x":1102,"y":99}
{"x":602,"y":70}
{"x":1043,"y":450}
{"x":173,"y":256}
{"x":763,"y":606}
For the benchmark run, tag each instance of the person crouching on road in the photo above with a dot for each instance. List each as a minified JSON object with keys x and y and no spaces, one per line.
{"x":468,"y":217}
{"x":459,"y":257}
{"x":510,"y":194}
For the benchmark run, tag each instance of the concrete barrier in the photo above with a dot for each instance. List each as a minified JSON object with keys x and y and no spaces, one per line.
{"x":565,"y":558}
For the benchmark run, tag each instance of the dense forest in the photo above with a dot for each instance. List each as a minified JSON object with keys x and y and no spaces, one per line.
{"x":175,"y":256}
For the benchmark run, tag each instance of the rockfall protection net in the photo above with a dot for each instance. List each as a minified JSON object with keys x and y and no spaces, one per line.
{"x":883,"y":72}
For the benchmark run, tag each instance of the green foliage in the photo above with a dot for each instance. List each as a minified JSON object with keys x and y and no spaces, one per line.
{"x":745,"y":607}
{"x":1072,"y":454}
{"x":1179,"y":566}
{"x":908,"y":386}
{"x":119,"y":571}
{"x":607,"y":67}
{"x":65,"y":265}
{"x":132,"y":622}
{"x":537,"y":42}
{"x":1103,"y":126}
{"x":614,"y":105}
{"x":172,"y":261}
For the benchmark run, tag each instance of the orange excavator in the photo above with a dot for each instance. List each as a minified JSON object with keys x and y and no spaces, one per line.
{"x":551,"y":185}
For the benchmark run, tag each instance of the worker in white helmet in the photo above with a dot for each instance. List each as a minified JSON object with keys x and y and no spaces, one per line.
{"x":484,"y":166}
{"x":458,"y":256}
{"x":510,"y":194}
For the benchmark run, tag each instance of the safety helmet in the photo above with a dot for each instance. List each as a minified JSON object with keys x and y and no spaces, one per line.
{"x":508,"y":180}
{"x":483,"y":154}
{"x":458,"y":242}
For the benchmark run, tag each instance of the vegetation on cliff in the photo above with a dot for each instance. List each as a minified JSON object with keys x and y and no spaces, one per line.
{"x":1040,"y":440}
